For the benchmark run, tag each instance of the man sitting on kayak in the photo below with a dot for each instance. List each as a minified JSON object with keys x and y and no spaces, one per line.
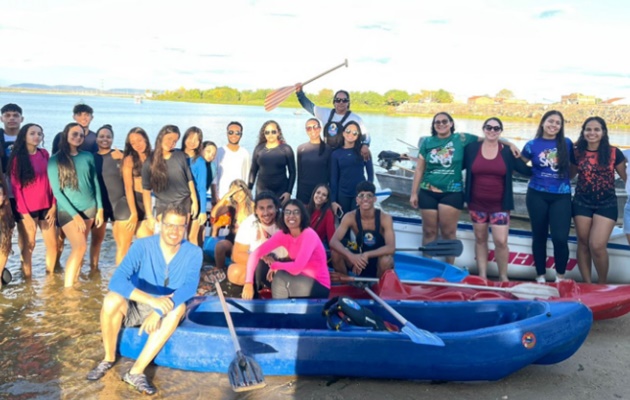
{"x":150,"y":289}
{"x":375,"y":239}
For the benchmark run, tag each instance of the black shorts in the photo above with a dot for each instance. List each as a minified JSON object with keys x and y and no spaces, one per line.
{"x":39,"y":214}
{"x":586,"y":211}
{"x":65,"y":218}
{"x":428,"y":200}
{"x":142,"y":214}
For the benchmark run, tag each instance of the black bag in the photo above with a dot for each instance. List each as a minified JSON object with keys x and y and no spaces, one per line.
{"x":343,"y":313}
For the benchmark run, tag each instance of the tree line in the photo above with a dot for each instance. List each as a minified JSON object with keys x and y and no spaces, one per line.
{"x":369,"y":100}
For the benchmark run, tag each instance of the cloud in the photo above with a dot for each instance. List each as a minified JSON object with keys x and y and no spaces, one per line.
{"x":375,"y":27}
{"x":283,"y":15}
{"x":175,"y":50}
{"x":550,"y":14}
{"x":381,"y":60}
{"x":214,"y":55}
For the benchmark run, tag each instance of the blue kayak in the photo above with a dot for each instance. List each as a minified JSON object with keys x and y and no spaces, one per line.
{"x":483,"y":340}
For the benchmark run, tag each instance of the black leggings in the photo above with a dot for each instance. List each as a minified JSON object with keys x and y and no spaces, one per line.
{"x":549,"y":211}
{"x":287,"y":286}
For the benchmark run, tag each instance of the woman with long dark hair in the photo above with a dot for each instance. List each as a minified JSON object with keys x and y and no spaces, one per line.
{"x":273,"y":163}
{"x":347,"y":169}
{"x":72,"y":175}
{"x":313,"y":161}
{"x":305,"y":273}
{"x":209,"y":153}
{"x":167,"y":175}
{"x":192,"y":147}
{"x":137,"y":151}
{"x":320,"y":210}
{"x":33,"y":195}
{"x":595,"y":201}
{"x":7,"y":224}
{"x":548,"y":196}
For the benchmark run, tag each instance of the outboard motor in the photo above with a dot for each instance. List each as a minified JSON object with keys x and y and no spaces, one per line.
{"x":387,"y":158}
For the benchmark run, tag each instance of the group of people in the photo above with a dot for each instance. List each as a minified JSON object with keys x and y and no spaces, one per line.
{"x":551,"y":160}
{"x":274,"y":241}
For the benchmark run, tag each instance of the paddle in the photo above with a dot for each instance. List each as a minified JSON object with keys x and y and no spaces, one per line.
{"x":6,"y":276}
{"x":407,"y":143}
{"x":276,"y":97}
{"x":441,"y":248}
{"x":525,"y":291}
{"x":244,"y":372}
{"x":417,"y":335}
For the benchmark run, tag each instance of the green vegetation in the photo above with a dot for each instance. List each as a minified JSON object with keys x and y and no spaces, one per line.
{"x":361,"y":101}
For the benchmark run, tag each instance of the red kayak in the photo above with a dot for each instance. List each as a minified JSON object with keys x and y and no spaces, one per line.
{"x":605,"y":301}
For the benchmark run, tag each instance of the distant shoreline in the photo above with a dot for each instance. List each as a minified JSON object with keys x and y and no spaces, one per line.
{"x":617,"y":117}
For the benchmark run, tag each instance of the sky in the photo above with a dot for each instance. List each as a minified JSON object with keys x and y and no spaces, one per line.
{"x":539,"y":50}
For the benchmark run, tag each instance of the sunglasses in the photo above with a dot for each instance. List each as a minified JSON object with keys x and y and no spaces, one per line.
{"x":295,"y":212}
{"x":441,"y":122}
{"x":274,"y":132}
{"x":337,"y":100}
{"x":310,"y":128}
{"x":365,"y":196}
{"x":173,"y":227}
{"x":353,"y":133}
{"x":237,"y":133}
{"x":492,"y":128}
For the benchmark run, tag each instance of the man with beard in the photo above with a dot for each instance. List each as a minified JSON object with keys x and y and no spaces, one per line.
{"x":232,"y":161}
{"x":150,"y":289}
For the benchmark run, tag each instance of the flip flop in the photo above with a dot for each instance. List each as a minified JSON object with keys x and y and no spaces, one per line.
{"x":6,"y":277}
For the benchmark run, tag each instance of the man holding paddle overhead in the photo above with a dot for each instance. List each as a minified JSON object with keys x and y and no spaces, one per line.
{"x":375,"y":239}
{"x":334,"y":119}
{"x":150,"y":289}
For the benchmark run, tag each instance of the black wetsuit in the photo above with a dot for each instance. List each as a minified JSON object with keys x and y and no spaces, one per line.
{"x":112,"y":187}
{"x":312,"y":169}
{"x":270,"y":166}
{"x":177,"y":190}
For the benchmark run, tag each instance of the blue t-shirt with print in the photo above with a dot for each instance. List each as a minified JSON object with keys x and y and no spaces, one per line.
{"x":546,"y":176}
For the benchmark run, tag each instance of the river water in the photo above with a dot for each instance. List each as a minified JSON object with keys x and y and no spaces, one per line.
{"x":50,"y":337}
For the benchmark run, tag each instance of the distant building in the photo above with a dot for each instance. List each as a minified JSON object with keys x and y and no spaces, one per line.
{"x":578,"y":98}
{"x":481,"y":100}
{"x":510,"y":101}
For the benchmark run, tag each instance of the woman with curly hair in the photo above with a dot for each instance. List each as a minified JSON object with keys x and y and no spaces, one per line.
{"x":72,"y":175}
{"x":7,"y":223}
{"x":137,"y":151}
{"x":33,"y":195}
{"x":595,"y":201}
{"x":167,"y":175}
{"x":192,"y":147}
{"x":273,"y":163}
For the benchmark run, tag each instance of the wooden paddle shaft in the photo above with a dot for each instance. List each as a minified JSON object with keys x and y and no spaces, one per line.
{"x":228,"y":317}
{"x":344,"y":63}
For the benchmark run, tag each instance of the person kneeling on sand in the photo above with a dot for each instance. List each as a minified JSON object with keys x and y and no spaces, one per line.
{"x":150,"y":289}
{"x":373,"y":252}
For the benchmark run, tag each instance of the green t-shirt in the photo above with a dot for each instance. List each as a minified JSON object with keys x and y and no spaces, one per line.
{"x":88,"y":194}
{"x":443,"y":161}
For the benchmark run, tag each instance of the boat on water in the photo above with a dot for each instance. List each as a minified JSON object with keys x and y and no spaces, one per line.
{"x":399,"y":179}
{"x":483,"y":340}
{"x":521,"y":261}
{"x":604,"y":301}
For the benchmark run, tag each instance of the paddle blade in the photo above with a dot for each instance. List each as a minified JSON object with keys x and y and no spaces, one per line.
{"x":275,"y":98}
{"x":443,"y":248}
{"x":420,"y":336}
{"x":6,"y":277}
{"x":245,"y":374}
{"x":530,"y":291}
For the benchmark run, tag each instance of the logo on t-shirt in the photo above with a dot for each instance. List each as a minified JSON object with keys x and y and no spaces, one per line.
{"x":549,"y":158}
{"x":442,"y":155}
{"x":368,"y":239}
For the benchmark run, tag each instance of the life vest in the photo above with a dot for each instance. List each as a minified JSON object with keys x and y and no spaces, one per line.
{"x":343,"y":313}
{"x":333,"y":131}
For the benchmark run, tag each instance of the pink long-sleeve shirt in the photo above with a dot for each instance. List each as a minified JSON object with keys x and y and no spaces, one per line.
{"x":37,"y":195}
{"x":306,"y":250}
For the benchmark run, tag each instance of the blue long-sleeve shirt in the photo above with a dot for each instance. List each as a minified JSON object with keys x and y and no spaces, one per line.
{"x":347,"y":169}
{"x":145,"y":269}
{"x":199,"y":172}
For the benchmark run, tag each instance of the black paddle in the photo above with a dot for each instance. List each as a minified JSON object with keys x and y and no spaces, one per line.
{"x":244,"y":372}
{"x":6,"y":277}
{"x":441,"y":248}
